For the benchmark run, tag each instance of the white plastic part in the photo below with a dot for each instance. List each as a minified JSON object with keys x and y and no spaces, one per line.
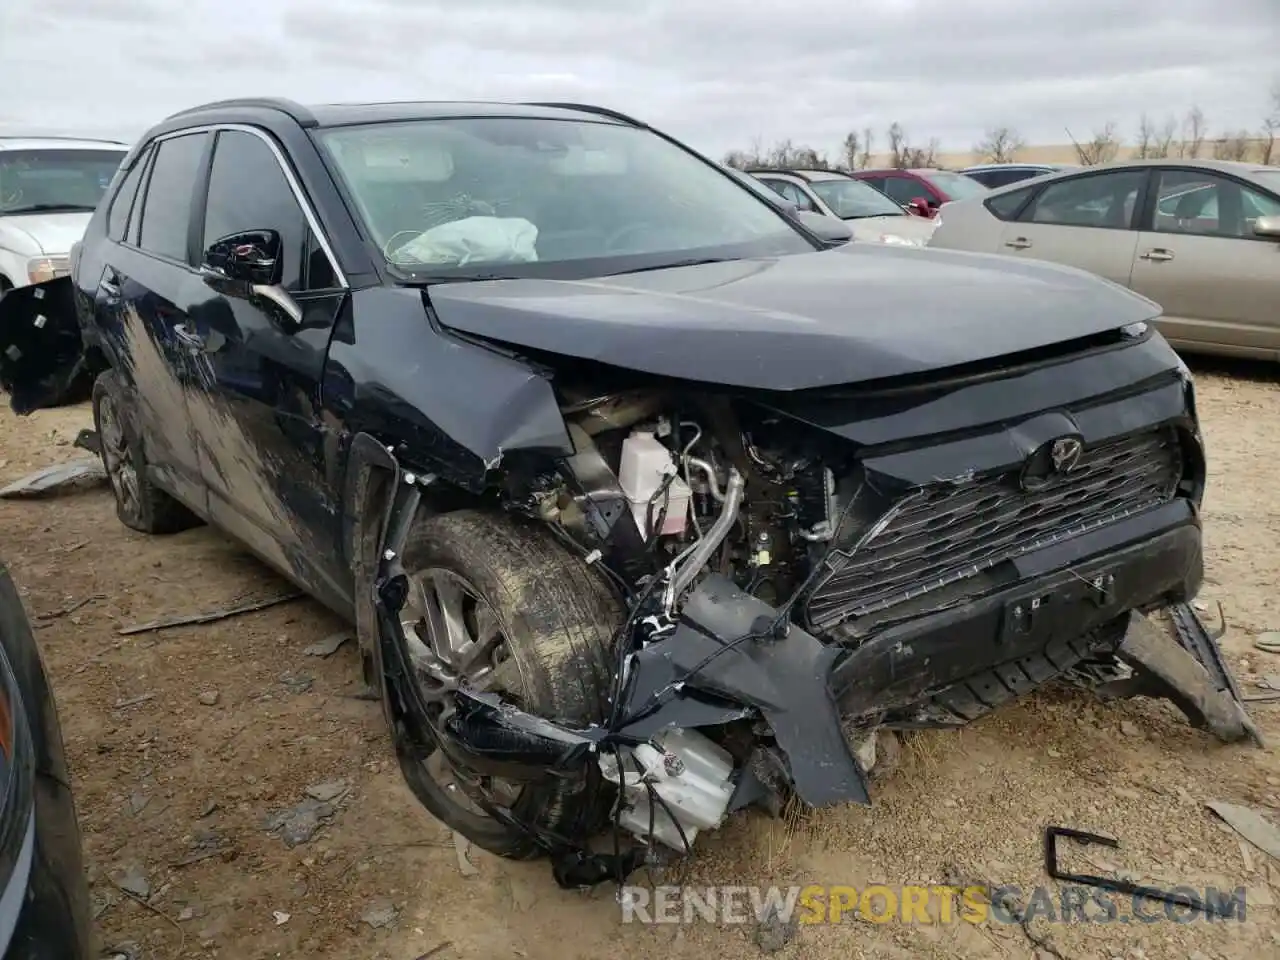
{"x":644,"y":468}
{"x":690,"y":775}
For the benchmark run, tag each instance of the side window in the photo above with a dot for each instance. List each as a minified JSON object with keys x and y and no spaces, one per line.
{"x":1007,"y":205}
{"x":1002,"y":178}
{"x":1093,"y":200}
{"x":248,"y":190}
{"x":1205,"y":204}
{"x":1259,"y":205}
{"x":902,"y":190}
{"x":777,"y":186}
{"x":166,"y":210}
{"x":795,"y":194}
{"x":122,"y":202}
{"x":877,"y":182}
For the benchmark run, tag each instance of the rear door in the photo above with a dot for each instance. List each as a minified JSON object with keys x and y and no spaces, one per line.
{"x":145,"y":277}
{"x":261,"y":442}
{"x":1085,"y":221}
{"x":1197,"y":256}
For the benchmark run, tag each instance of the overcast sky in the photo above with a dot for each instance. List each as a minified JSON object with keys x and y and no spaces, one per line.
{"x":717,"y":73}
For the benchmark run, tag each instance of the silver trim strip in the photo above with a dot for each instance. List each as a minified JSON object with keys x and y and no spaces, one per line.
{"x":312,"y":221}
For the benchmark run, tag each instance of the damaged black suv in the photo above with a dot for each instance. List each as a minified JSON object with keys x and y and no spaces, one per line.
{"x":646,"y":505}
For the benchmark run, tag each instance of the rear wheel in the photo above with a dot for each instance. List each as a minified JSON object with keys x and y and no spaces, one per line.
{"x":140,"y":504}
{"x":498,"y":604}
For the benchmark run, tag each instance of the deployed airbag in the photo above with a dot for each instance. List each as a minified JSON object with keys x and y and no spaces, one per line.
{"x":473,"y":240}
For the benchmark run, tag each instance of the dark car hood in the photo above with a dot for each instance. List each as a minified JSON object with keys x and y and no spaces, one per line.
{"x":802,"y":321}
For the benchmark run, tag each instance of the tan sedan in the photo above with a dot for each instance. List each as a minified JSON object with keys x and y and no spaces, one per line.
{"x":1199,"y":237}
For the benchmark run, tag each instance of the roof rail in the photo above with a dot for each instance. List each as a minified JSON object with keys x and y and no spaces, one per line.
{"x":590,"y":108}
{"x":45,"y":136}
{"x":297,"y":111}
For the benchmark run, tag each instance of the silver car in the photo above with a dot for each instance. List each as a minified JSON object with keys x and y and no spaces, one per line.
{"x":1199,"y":237}
{"x":869,"y":213}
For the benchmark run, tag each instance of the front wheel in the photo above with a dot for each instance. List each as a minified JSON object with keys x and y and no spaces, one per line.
{"x":497,"y":603}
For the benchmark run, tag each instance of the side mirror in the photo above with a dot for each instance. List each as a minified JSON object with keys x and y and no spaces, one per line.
{"x":829,"y":230}
{"x":1268,"y":227}
{"x":251,"y":262}
{"x":252,"y":257}
{"x":921,"y":206}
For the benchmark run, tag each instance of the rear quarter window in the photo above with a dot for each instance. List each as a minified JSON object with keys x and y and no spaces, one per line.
{"x":1007,"y":205}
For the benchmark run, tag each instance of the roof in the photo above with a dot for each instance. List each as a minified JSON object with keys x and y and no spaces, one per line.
{"x":1225,"y":166}
{"x":1247,"y":171}
{"x":917,"y":170}
{"x":59,"y":143}
{"x":345,"y":114}
{"x":1018,"y":166}
{"x":799,"y":174}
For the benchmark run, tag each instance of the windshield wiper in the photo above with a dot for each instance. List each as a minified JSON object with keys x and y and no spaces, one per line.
{"x":49,"y":208}
{"x":414,"y":279}
{"x":692,"y":262}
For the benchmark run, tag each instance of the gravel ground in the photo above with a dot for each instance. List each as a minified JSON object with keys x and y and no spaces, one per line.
{"x":187,"y":746}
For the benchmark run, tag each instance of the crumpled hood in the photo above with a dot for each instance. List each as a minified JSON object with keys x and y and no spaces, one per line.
{"x":47,"y":234}
{"x":802,"y":321}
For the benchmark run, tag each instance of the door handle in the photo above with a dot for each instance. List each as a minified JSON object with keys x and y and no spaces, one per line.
{"x":1018,"y":243}
{"x":1158,"y":254}
{"x":109,"y":285}
{"x":188,"y":339}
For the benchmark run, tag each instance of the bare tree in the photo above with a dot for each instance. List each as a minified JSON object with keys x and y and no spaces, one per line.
{"x":897,"y":146}
{"x":786,"y":154}
{"x":1102,"y":147}
{"x":1233,"y":146}
{"x":926,"y":156}
{"x":850,"y":150}
{"x":1154,"y":143}
{"x":1194,"y":128}
{"x":1271,"y":125}
{"x":1145,"y":142}
{"x":864,"y":159}
{"x":1163,"y":145}
{"x":999,"y":145}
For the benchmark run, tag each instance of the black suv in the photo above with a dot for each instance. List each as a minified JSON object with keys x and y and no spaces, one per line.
{"x":645,"y":504}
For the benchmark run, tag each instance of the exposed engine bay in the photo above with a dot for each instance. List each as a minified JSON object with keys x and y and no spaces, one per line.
{"x":694,"y":489}
{"x":790,"y":602}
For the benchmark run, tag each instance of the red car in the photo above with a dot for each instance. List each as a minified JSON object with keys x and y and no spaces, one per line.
{"x":922,"y":191}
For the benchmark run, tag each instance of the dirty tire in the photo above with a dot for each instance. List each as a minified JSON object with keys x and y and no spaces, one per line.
{"x":151,"y":510}
{"x":558,"y":617}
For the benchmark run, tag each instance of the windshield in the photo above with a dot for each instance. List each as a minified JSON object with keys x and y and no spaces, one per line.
{"x":509,"y":196}
{"x":957,"y":186}
{"x":37,"y":181}
{"x":853,"y":199}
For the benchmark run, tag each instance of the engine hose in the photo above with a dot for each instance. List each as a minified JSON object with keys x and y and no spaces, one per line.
{"x":705,"y":547}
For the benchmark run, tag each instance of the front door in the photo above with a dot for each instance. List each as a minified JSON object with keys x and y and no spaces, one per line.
{"x":1197,"y":256}
{"x":261,"y":443}
{"x":1085,"y":222}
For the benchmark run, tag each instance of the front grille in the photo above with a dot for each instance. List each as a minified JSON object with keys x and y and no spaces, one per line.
{"x":948,"y":532}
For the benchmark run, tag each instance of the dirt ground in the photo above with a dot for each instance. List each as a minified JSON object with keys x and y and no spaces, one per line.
{"x":184,"y":743}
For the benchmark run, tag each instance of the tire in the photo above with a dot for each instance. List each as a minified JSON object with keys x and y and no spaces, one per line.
{"x":557,"y":620}
{"x":140,"y":504}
